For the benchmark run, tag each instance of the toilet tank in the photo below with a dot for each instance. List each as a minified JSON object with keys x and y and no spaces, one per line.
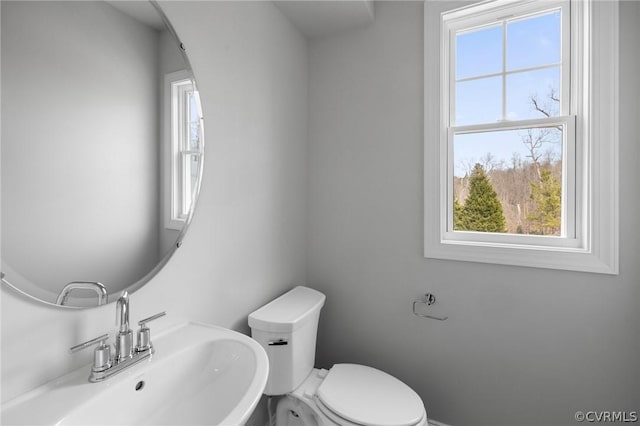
{"x":287,"y":328}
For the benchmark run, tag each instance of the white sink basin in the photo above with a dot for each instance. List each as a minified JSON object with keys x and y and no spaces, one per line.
{"x":199,"y":375}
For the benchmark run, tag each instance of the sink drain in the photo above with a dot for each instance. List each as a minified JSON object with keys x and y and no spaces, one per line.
{"x":140,"y":385}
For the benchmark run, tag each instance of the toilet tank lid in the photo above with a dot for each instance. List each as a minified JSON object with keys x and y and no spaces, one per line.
{"x":289,"y":311}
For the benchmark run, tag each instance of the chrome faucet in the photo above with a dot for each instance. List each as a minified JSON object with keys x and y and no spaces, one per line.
{"x":125,"y":356}
{"x":124,"y":338}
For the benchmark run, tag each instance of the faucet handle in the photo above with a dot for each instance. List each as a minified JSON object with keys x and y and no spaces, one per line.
{"x":144,"y":333}
{"x":101,"y":355}
{"x":142,"y":323}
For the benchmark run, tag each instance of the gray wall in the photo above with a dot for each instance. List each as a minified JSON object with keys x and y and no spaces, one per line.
{"x":80,"y":144}
{"x":521,"y":346}
{"x":246,"y":242}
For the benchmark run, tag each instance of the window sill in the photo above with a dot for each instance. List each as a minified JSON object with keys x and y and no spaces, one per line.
{"x":561,"y":258}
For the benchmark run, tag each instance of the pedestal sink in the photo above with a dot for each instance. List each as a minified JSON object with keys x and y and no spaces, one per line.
{"x":199,"y":375}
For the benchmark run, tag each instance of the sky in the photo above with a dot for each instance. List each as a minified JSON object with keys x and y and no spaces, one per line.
{"x":531,"y":42}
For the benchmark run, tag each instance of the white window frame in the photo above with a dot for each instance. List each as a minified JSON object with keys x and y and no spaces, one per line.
{"x":589,"y":241}
{"x":473,"y":19}
{"x":178,"y":193}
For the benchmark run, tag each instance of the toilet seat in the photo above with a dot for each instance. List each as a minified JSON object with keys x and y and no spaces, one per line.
{"x":364,"y":396}
{"x":336,"y":419}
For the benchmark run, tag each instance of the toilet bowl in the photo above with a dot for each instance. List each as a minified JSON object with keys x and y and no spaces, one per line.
{"x":346,"y":394}
{"x":376,"y":399}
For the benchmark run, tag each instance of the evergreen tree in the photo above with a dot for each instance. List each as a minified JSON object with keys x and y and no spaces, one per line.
{"x":482,"y":211}
{"x":547,"y":198}
{"x":457,"y":215}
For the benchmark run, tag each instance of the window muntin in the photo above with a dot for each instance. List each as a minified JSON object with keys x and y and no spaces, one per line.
{"x":508,"y":112}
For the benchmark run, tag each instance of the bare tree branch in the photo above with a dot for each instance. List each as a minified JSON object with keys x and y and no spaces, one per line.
{"x":538,"y":108}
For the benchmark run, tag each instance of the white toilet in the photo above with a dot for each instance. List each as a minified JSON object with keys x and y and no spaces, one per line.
{"x":345,"y":395}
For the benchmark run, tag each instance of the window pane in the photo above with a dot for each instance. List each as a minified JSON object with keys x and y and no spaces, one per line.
{"x":534,"y":41}
{"x":194,"y":123}
{"x":508,"y":181}
{"x":533,"y":94}
{"x":190,"y":167}
{"x":479,"y":52}
{"x":478,"y":101}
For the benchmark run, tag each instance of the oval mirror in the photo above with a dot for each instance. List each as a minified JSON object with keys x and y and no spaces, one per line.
{"x":102,"y":147}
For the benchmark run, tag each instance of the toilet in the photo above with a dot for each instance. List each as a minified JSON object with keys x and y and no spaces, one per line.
{"x":344,"y":395}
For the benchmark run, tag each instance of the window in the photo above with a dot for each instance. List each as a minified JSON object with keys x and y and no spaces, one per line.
{"x":510,"y":122}
{"x":520,"y":122}
{"x":184,"y":140}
